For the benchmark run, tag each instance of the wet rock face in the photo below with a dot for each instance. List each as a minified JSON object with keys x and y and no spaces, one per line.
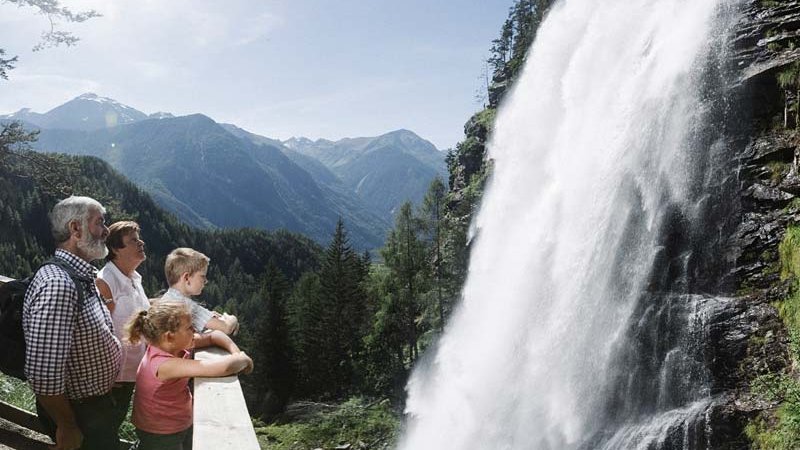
{"x":747,"y":337}
{"x":763,"y":36}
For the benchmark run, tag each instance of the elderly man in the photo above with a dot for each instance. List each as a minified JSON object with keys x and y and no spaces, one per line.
{"x":72,"y":356}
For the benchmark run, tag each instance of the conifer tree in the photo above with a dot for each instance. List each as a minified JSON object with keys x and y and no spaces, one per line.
{"x":306,"y":336}
{"x":330,"y":319}
{"x":273,"y":377}
{"x":432,"y":218}
{"x":386,"y":366}
{"x":404,"y":255}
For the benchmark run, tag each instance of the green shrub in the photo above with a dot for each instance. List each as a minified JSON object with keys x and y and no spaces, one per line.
{"x":782,"y":431}
{"x":355,"y":422}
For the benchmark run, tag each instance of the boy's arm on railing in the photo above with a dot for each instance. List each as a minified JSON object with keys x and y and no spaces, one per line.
{"x":217,"y":338}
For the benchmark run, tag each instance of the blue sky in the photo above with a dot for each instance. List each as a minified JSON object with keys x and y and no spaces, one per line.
{"x":314,"y":68}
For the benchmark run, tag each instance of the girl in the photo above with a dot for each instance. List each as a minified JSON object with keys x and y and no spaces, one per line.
{"x":162,"y":403}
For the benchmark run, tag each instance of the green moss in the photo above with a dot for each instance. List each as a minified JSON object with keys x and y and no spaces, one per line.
{"x":486,"y":117}
{"x":789,"y":252}
{"x":781,"y":431}
{"x":777,"y":170}
{"x":793,"y":206}
{"x":353,"y":422}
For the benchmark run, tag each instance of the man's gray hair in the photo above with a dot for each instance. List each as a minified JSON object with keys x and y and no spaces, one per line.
{"x":71,"y":209}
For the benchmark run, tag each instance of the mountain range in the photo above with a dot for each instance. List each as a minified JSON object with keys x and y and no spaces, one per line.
{"x":219,"y":175}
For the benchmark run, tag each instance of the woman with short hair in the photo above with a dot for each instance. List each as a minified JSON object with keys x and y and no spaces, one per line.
{"x":120,"y":286}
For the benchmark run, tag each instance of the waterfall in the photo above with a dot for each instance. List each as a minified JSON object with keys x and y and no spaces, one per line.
{"x":581,"y":323}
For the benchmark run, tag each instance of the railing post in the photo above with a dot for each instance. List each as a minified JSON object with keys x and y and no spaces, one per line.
{"x":221,"y":420}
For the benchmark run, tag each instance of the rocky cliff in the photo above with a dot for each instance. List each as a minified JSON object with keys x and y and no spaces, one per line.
{"x":748,"y":338}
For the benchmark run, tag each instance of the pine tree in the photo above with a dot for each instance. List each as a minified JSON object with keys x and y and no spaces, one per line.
{"x":330,"y":320}
{"x":432,"y":218}
{"x":404,"y":255}
{"x":305,"y":333}
{"x":386,"y":366}
{"x":273,"y":377}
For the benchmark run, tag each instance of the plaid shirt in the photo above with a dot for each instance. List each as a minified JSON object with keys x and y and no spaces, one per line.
{"x":70,"y":345}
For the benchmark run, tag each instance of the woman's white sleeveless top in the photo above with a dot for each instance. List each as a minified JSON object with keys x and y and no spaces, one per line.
{"x":129,"y":299}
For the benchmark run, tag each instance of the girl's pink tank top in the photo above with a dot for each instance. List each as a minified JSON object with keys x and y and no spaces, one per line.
{"x":160,"y":407}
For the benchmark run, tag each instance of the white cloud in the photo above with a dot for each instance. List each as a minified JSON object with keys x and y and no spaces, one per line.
{"x":42,"y":92}
{"x":152,"y":70}
{"x":256,"y":28}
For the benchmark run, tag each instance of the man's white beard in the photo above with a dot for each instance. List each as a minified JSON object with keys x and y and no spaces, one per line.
{"x":93,"y":248}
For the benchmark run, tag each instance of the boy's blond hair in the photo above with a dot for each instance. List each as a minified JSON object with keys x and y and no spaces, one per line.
{"x":184,"y":260}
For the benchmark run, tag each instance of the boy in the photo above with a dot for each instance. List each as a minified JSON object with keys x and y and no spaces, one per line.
{"x":186,"y":270}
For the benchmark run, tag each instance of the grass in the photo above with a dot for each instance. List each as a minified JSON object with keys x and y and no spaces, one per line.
{"x":17,"y":393}
{"x":356,"y":422}
{"x":781,"y":430}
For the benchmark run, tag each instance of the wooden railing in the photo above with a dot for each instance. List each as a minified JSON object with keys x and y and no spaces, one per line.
{"x":20,"y":429}
{"x":221,"y":420}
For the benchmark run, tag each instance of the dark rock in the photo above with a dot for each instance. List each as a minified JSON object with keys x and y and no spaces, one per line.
{"x":746,"y":338}
{"x":755,"y":33}
{"x":766,"y":197}
{"x":774,"y":146}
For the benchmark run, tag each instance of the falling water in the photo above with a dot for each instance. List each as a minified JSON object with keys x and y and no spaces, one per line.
{"x":580,"y":325}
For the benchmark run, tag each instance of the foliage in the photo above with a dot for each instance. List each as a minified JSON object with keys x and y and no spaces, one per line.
{"x":355,"y":422}
{"x":789,"y":251}
{"x":508,"y":52}
{"x":55,"y":13}
{"x":6,"y":64}
{"x":273,"y":378}
{"x":329,"y":318}
{"x":16,"y":392}
{"x":784,"y":436}
{"x":782,"y":433}
{"x":404,"y":256}
{"x":783,"y":430}
{"x":789,"y":79}
{"x":432,"y":222}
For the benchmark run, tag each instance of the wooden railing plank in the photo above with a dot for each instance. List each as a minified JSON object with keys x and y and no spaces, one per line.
{"x":19,"y":437}
{"x":21,"y":417}
{"x":221,"y":420}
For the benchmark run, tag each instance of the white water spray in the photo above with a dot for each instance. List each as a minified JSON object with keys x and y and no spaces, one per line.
{"x":595,"y":152}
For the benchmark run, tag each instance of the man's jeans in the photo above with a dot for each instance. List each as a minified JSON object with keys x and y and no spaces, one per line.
{"x":96,"y":419}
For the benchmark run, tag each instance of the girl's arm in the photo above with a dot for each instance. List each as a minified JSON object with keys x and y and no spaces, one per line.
{"x":217,"y":338}
{"x":218,"y":367}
